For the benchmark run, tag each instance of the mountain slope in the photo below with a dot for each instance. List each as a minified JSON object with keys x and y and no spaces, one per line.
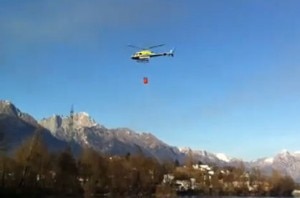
{"x":17,"y":126}
{"x":120,"y":141}
{"x":286,"y":162}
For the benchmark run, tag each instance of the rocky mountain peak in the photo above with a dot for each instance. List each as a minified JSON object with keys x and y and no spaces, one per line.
{"x":284,"y":152}
{"x":83,"y":119}
{"x":80,"y":120}
{"x":52,"y":123}
{"x":6,"y":107}
{"x":16,"y":126}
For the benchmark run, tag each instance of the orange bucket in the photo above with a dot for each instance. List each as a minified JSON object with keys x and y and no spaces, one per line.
{"x":145,"y":80}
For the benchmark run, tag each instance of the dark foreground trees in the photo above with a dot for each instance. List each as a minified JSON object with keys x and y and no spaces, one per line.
{"x":32,"y":171}
{"x":282,"y":185}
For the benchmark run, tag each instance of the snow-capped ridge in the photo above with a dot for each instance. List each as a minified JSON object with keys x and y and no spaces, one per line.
{"x":184,"y":150}
{"x":284,"y":151}
{"x":7,"y":102}
{"x":223,"y":157}
{"x":83,"y":114}
{"x":83,"y":119}
{"x":80,"y":120}
{"x":269,"y":160}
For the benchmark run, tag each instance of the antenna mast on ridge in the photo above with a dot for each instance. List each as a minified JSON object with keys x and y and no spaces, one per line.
{"x":71,"y":121}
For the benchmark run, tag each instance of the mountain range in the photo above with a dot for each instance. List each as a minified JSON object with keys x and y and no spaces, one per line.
{"x":80,"y":130}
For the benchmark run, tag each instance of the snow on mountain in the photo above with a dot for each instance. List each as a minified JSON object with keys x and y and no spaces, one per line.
{"x":269,"y":160}
{"x":204,"y":156}
{"x":285,"y":161}
{"x":289,"y":163}
{"x":223,"y":157}
{"x":83,"y":119}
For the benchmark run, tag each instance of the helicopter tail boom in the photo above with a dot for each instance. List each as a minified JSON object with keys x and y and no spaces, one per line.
{"x":169,"y":53}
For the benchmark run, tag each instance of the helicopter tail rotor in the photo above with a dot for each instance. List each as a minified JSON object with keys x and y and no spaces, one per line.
{"x":171,"y":52}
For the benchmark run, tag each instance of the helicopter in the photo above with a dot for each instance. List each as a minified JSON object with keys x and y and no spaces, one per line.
{"x":145,"y":54}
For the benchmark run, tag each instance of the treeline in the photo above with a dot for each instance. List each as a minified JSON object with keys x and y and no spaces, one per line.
{"x":32,"y":171}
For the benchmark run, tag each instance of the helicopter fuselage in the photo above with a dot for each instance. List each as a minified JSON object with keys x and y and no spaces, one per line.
{"x":145,"y":55}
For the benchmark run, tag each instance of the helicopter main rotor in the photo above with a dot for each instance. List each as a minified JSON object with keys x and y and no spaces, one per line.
{"x":151,"y":47}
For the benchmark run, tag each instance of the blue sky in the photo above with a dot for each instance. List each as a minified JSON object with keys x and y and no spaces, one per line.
{"x":232,"y":87}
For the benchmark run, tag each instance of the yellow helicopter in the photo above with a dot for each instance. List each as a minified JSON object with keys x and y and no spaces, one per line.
{"x":145,"y":53}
